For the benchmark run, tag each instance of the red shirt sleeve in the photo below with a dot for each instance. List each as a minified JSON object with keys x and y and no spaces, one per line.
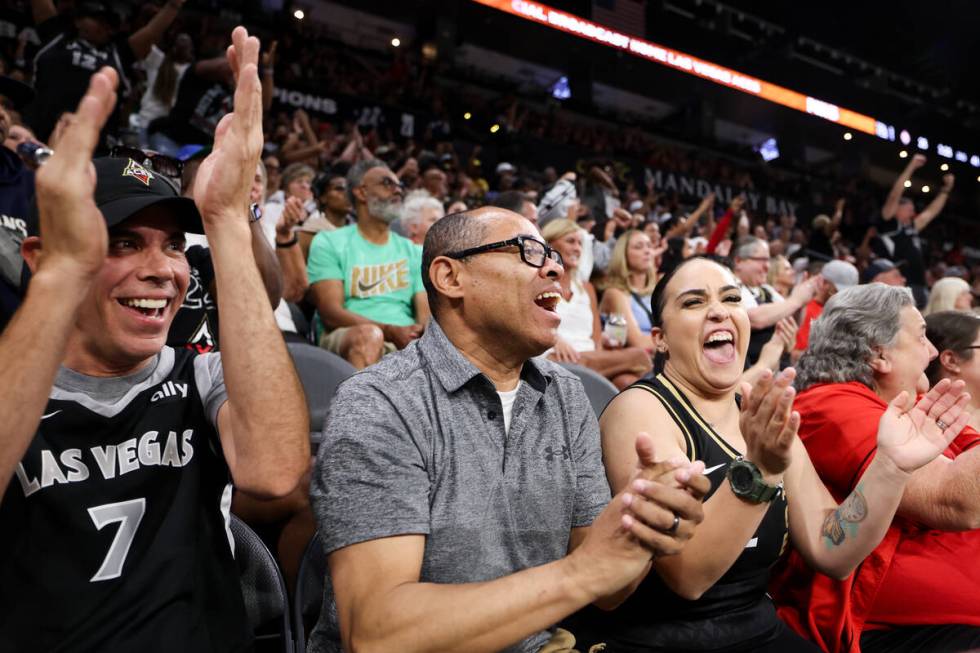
{"x":813,"y":310}
{"x":839,"y":428}
{"x":721,"y":229}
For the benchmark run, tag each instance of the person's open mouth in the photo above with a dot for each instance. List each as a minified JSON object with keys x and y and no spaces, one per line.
{"x":719,"y":347}
{"x":146,"y":307}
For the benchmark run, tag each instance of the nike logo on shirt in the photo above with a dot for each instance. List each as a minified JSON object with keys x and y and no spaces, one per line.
{"x":711,"y":469}
{"x":362,"y":287}
{"x":50,"y":414}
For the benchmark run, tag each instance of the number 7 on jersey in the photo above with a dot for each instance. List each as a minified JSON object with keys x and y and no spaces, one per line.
{"x":129,"y":514}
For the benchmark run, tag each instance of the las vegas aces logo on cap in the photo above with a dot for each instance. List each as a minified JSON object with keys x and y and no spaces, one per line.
{"x":137,"y":171}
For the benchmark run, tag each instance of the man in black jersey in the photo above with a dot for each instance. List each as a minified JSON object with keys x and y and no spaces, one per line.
{"x":901,"y":243}
{"x":118,"y":464}
{"x":73,"y":49}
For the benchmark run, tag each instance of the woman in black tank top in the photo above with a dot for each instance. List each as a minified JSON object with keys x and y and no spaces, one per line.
{"x":712,"y":596}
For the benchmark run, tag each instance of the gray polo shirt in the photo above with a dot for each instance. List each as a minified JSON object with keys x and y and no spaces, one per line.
{"x":416,"y":444}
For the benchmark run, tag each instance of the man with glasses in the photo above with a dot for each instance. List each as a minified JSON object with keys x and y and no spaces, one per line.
{"x":761,"y":301}
{"x":460,"y":491}
{"x":365,"y":279}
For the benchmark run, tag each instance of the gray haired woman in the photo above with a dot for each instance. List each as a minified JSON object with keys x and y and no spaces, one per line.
{"x":917,"y":588}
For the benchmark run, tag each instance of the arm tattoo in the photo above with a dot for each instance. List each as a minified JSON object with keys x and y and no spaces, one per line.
{"x":845,"y":518}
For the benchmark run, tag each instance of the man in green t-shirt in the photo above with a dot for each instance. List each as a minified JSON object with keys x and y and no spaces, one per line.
{"x":366,"y":280}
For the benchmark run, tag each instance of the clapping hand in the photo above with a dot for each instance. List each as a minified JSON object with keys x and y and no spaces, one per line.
{"x":663,"y":499}
{"x":768,"y":421}
{"x":293,"y":213}
{"x":639,"y":523}
{"x":912,"y":437}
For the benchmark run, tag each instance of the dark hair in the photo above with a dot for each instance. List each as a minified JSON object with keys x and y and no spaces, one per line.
{"x":452,"y":233}
{"x":512,"y":200}
{"x":673,"y":256}
{"x":950,"y":330}
{"x":658,"y":301}
{"x":322,"y":180}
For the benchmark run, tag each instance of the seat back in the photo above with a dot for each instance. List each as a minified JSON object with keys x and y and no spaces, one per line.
{"x":300,"y":320}
{"x":320,"y":372}
{"x":263,"y":588}
{"x":598,"y":388}
{"x":311,"y":583}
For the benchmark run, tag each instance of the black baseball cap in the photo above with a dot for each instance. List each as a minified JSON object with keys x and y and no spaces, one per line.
{"x":876,"y":267}
{"x":124,"y":187}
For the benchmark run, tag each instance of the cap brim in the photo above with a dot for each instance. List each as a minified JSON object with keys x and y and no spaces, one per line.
{"x":184,"y":209}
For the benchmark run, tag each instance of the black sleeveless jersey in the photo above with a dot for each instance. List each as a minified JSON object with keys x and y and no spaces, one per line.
{"x":733,"y":615}
{"x":113,"y":531}
{"x":759,"y":337}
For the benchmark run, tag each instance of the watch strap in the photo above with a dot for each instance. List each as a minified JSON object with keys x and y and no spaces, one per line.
{"x":760,"y":492}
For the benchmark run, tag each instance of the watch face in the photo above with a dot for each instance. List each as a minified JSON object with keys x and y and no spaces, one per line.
{"x":741,"y":478}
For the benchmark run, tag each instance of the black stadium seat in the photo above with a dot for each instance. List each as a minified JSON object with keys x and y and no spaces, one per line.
{"x":310,"y":585}
{"x":320,"y":372}
{"x":264,"y":590}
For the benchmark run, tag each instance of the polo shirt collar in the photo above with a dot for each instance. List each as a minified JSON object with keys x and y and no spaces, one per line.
{"x":454,"y":370}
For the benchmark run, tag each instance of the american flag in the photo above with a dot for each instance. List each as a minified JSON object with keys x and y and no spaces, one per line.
{"x":626,"y":16}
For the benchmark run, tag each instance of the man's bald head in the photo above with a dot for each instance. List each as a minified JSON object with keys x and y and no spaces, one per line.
{"x":454,"y":233}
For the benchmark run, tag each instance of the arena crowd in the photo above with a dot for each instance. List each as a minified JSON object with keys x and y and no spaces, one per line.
{"x":788,"y":464}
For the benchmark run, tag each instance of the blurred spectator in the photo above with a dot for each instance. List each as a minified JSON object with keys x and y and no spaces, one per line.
{"x":516,"y":201}
{"x":580,"y":336}
{"x":163,"y":74}
{"x":837,"y":276}
{"x":196,"y":324}
{"x":273,"y":172}
{"x":365,"y":280}
{"x":297,"y":181}
{"x":204,"y":96}
{"x":16,"y":195}
{"x":74,"y":48}
{"x":881,"y":270}
{"x":434,"y":182}
{"x":781,"y":275}
{"x":954,"y":334}
{"x":822,"y":233}
{"x":763,"y":304}
{"x":333,"y":208}
{"x":949,"y":294}
{"x":630,"y":279}
{"x":903,"y":243}
{"x":419,"y":212}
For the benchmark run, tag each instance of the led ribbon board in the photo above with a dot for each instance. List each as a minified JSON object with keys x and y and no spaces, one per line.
{"x":580,"y":27}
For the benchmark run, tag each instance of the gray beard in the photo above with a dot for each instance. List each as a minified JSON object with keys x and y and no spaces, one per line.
{"x":385,"y":210}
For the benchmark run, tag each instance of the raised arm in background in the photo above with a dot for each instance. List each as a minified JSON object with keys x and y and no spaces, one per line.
{"x":895,"y":194}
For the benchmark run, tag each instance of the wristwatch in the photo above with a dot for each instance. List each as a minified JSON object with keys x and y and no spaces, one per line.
{"x":746,"y":481}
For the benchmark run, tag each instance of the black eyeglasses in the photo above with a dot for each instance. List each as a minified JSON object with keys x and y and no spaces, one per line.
{"x":165,"y":165}
{"x":533,"y":251}
{"x":391,"y":184}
